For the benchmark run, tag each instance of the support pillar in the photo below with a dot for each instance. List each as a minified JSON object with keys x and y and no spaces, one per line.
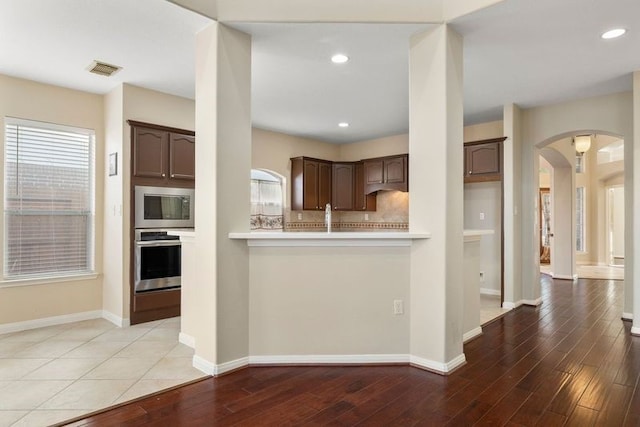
{"x":220,"y":282}
{"x":436,"y":176}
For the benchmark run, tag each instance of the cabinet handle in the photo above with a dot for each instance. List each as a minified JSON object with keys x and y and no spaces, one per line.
{"x":173,"y":175}
{"x":164,"y":175}
{"x":469,"y":172}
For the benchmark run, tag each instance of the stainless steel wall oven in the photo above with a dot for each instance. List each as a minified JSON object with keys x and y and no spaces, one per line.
{"x":157,"y":261}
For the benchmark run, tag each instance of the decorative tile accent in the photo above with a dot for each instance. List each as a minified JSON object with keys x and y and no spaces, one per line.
{"x":347,"y":226}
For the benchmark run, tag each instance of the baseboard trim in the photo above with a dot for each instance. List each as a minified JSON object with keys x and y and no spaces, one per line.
{"x":231,"y":365}
{"x":468,"y":336}
{"x":187,"y":340}
{"x":627,"y":316}
{"x":329,"y":359}
{"x":203,"y":365}
{"x":487,"y":291}
{"x":534,"y":302}
{"x":209,"y":368}
{"x":116,"y":320}
{"x":635,"y":331}
{"x":438,"y":367}
{"x":49,"y":321}
{"x":511,"y":305}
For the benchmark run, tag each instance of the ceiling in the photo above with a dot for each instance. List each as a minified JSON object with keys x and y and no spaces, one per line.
{"x":526,"y":52}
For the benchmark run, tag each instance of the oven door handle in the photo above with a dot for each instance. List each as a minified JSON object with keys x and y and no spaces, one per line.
{"x":154,"y":243}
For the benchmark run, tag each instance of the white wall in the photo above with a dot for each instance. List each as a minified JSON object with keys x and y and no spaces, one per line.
{"x":486,"y":198}
{"x":344,"y":296}
{"x":36,"y":101}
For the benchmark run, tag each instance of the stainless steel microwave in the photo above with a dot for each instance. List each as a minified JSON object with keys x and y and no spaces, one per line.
{"x":163,"y":207}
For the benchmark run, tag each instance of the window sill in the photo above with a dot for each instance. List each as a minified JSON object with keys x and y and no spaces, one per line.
{"x":12,"y":283}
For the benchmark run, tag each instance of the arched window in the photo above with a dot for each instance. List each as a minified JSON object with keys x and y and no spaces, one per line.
{"x":266,"y":200}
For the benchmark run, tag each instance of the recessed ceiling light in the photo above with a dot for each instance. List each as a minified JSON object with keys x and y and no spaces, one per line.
{"x":343,"y":124}
{"x":612,"y":34}
{"x":339,"y":58}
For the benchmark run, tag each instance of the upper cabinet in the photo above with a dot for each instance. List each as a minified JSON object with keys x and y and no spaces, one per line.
{"x":386,"y":173}
{"x":342,"y":186}
{"x":361,"y":201}
{"x":310,"y":183}
{"x":348,"y":186}
{"x":162,"y":156}
{"x":483,"y":160}
{"x":182,"y":155}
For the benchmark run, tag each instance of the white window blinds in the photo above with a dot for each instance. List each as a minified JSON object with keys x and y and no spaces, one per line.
{"x":48,"y":200}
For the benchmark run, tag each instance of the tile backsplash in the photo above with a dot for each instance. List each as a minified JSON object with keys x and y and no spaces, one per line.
{"x":392,"y":214}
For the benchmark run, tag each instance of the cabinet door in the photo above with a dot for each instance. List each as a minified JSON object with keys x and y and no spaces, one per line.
{"x":324,"y":184}
{"x":361,"y":201}
{"x":310,"y":197}
{"x":394,"y":170}
{"x":373,"y":172}
{"x":342,"y":194}
{"x":182,"y":156}
{"x":483,"y":159}
{"x":149,"y":152}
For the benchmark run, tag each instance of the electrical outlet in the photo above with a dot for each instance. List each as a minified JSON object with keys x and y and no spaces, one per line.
{"x":299,"y":216}
{"x":366,"y":217}
{"x":398,"y":307}
{"x":481,"y":216}
{"x":482,"y":276}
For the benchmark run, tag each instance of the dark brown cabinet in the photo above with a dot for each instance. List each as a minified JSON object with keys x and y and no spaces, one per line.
{"x":162,"y":156}
{"x":182,"y":156}
{"x":310,"y":183}
{"x":342,"y":186}
{"x":361,"y":201}
{"x":386,"y":173}
{"x":483,"y":160}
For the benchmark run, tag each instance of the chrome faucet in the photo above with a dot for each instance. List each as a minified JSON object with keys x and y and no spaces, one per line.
{"x":327,"y":217}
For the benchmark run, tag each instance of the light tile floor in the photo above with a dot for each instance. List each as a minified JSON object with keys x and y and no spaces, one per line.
{"x":52,"y":374}
{"x":490,"y":308}
{"x":605,"y":272}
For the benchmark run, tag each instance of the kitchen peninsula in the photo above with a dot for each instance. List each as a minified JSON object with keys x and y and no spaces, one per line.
{"x":318,"y":297}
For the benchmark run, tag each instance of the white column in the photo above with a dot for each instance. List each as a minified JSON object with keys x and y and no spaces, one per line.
{"x":512,"y":214}
{"x":634,"y":290}
{"x":436,"y":176}
{"x":223,"y":165}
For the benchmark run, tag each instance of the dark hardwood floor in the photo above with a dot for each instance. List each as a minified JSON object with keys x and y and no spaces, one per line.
{"x":571,"y":361}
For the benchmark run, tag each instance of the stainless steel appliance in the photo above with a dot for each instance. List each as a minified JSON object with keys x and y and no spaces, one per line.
{"x":157,"y":261}
{"x":163,"y":207}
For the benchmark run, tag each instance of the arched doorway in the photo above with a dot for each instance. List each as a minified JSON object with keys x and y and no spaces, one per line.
{"x":582,"y":189}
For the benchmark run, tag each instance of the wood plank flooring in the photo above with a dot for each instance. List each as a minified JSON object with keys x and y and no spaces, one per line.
{"x":571,"y":361}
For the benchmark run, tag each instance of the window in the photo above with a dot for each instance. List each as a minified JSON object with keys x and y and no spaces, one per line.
{"x":580,"y":163}
{"x":580,"y":222}
{"x":266,"y":201}
{"x":48,"y":200}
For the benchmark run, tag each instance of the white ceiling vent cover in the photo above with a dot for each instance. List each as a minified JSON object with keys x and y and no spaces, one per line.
{"x":103,"y":68}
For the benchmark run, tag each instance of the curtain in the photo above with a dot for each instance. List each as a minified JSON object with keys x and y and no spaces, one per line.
{"x":266,"y":205}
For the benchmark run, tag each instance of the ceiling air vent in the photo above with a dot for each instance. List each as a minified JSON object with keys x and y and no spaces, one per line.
{"x":102,"y":68}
